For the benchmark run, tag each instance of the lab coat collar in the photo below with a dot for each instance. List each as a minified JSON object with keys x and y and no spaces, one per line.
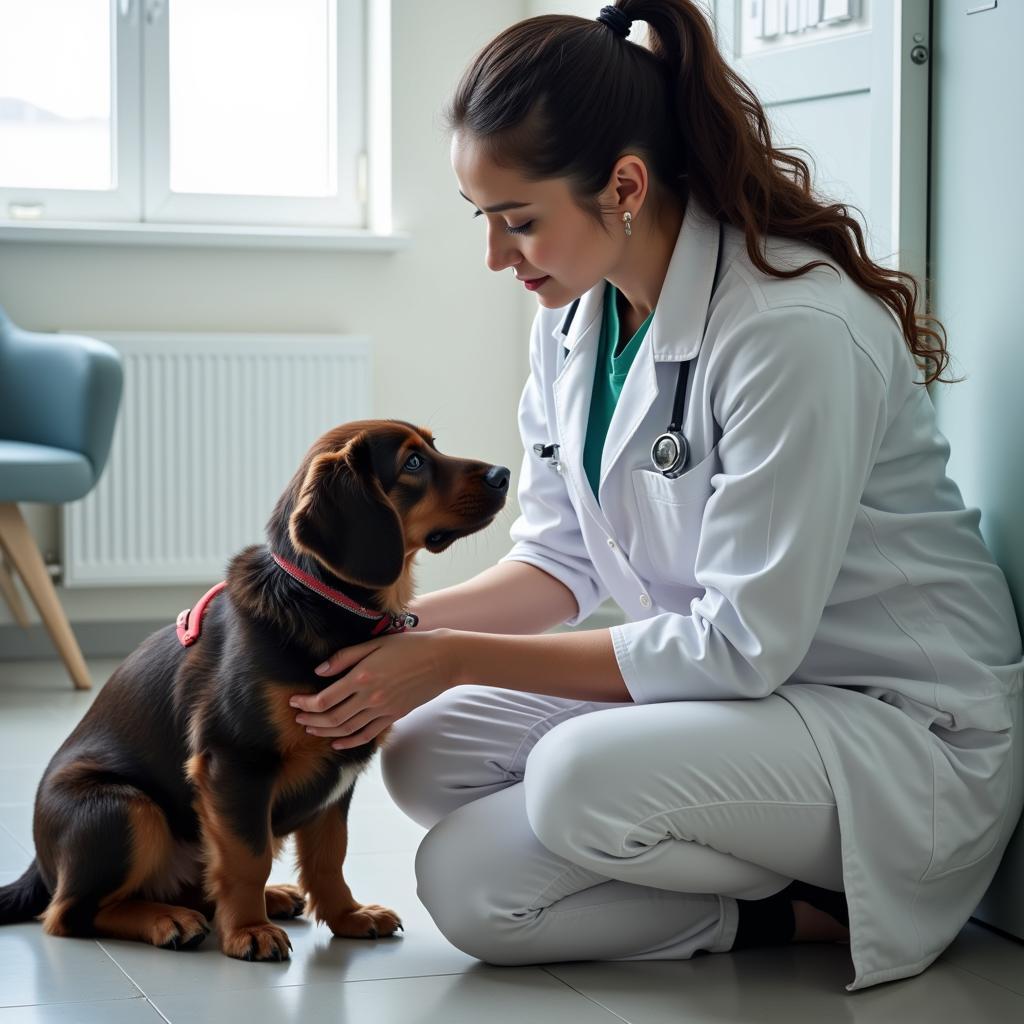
{"x":591,"y":305}
{"x":676,"y":330}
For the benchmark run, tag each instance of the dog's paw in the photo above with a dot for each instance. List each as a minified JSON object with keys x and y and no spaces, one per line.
{"x":285,"y":901}
{"x":180,"y":929}
{"x":370,"y":921}
{"x":256,"y":942}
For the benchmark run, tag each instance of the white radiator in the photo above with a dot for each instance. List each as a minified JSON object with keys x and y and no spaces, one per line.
{"x":211,"y":429}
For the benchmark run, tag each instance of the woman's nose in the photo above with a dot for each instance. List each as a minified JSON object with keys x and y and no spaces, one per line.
{"x":501,"y":252}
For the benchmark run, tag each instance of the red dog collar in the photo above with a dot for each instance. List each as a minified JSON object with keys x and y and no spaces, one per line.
{"x":190,"y":620}
{"x":385,"y":623}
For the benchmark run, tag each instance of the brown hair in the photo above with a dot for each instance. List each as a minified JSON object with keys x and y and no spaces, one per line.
{"x":561,"y":96}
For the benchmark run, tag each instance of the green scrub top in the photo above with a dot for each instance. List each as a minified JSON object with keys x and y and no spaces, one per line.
{"x":613,"y":363}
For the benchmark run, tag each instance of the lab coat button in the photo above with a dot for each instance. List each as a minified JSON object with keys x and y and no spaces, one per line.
{"x":611,"y":543}
{"x":645,"y":600}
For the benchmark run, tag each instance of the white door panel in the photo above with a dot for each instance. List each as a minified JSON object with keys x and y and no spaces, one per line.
{"x":832,"y":130}
{"x":852,"y":92}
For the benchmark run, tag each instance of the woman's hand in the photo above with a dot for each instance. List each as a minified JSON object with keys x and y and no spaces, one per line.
{"x":387,"y":678}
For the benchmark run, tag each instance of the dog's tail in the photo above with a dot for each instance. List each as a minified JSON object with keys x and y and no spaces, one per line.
{"x":24,"y":899}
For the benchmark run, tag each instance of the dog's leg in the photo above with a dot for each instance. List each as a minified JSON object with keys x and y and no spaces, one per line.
{"x":321,"y":844}
{"x":285,"y":901}
{"x":106,"y":844}
{"x":233,"y":803}
{"x":161,"y":924}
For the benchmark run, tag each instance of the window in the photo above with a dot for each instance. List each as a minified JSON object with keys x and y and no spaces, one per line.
{"x":227,"y":112}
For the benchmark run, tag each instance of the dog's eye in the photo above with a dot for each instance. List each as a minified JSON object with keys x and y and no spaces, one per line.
{"x":414,"y":462}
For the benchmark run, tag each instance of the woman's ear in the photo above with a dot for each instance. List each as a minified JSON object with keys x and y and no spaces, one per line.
{"x":343,"y":518}
{"x":628,"y":182}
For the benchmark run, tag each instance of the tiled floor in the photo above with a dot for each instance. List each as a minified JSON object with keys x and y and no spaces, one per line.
{"x":418,"y":976}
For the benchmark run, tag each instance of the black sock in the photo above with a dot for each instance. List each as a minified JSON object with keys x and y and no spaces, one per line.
{"x":768,"y":922}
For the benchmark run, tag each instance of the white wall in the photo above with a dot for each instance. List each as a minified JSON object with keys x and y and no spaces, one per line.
{"x":450,"y":337}
{"x":581,"y":8}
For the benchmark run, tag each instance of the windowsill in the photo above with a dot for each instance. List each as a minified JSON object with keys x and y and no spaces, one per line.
{"x":203,"y":235}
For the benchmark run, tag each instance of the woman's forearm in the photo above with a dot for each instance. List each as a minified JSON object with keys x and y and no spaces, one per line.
{"x":581,"y":666}
{"x":510,"y":597}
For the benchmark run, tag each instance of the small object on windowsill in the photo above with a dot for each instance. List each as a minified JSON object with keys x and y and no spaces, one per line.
{"x":25,"y":211}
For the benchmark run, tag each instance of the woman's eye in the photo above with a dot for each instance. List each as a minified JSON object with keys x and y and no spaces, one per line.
{"x":520,"y":229}
{"x":413,"y":462}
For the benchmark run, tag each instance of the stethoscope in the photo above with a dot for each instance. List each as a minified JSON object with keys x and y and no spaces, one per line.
{"x":671,"y":450}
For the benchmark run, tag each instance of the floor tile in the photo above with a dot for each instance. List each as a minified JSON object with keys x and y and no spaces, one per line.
{"x":18,"y":783}
{"x":990,"y":955}
{"x":494,"y":995}
{"x":23,"y":683}
{"x":13,"y":856}
{"x":121,"y":1011}
{"x":29,"y":739}
{"x":316,"y":956}
{"x":17,"y":820}
{"x":785,"y":985}
{"x":378,"y":826}
{"x":38,"y":968}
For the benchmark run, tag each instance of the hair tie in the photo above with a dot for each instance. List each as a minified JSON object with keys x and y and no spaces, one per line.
{"x":617,"y":20}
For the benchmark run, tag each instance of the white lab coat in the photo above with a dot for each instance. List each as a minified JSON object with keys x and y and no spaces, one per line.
{"x":814,"y":548}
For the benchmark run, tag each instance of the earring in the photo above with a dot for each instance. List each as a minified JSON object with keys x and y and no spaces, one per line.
{"x":627,"y":219}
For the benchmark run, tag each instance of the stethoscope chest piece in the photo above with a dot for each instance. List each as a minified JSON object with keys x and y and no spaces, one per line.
{"x":670,"y":453}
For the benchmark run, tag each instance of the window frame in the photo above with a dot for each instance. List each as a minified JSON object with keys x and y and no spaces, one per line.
{"x":23,"y":204}
{"x":141,"y":198}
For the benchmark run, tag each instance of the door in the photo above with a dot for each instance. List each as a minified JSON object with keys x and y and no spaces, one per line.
{"x":848,"y":80}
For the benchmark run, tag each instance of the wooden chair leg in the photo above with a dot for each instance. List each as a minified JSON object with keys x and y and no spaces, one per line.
{"x":11,"y":596}
{"x":20,"y":547}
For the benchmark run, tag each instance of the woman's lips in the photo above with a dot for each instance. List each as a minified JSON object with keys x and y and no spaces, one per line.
{"x":536,"y":283}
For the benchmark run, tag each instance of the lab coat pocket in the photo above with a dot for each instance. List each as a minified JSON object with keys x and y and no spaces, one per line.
{"x":670,"y":512}
{"x":973,"y":772}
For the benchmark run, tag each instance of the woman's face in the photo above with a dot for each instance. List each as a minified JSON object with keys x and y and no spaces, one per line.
{"x":535,"y":227}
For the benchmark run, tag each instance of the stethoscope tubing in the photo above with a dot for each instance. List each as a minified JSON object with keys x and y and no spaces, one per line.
{"x":673,"y":443}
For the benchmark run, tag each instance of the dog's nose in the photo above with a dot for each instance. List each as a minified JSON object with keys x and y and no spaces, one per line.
{"x":497,"y":477}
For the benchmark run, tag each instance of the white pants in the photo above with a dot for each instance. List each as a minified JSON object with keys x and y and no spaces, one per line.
{"x":565,"y":830}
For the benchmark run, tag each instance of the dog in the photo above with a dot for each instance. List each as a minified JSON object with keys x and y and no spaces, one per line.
{"x":170,"y":799}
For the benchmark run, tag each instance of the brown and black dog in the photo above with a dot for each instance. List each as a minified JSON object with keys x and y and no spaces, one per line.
{"x":172,"y":796}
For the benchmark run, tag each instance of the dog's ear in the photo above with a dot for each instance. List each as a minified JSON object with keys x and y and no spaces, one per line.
{"x":343,"y":518}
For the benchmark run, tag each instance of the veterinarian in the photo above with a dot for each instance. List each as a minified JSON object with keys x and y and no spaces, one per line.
{"x":809,"y":727}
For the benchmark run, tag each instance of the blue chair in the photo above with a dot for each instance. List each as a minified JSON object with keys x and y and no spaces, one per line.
{"x":59,"y":396}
